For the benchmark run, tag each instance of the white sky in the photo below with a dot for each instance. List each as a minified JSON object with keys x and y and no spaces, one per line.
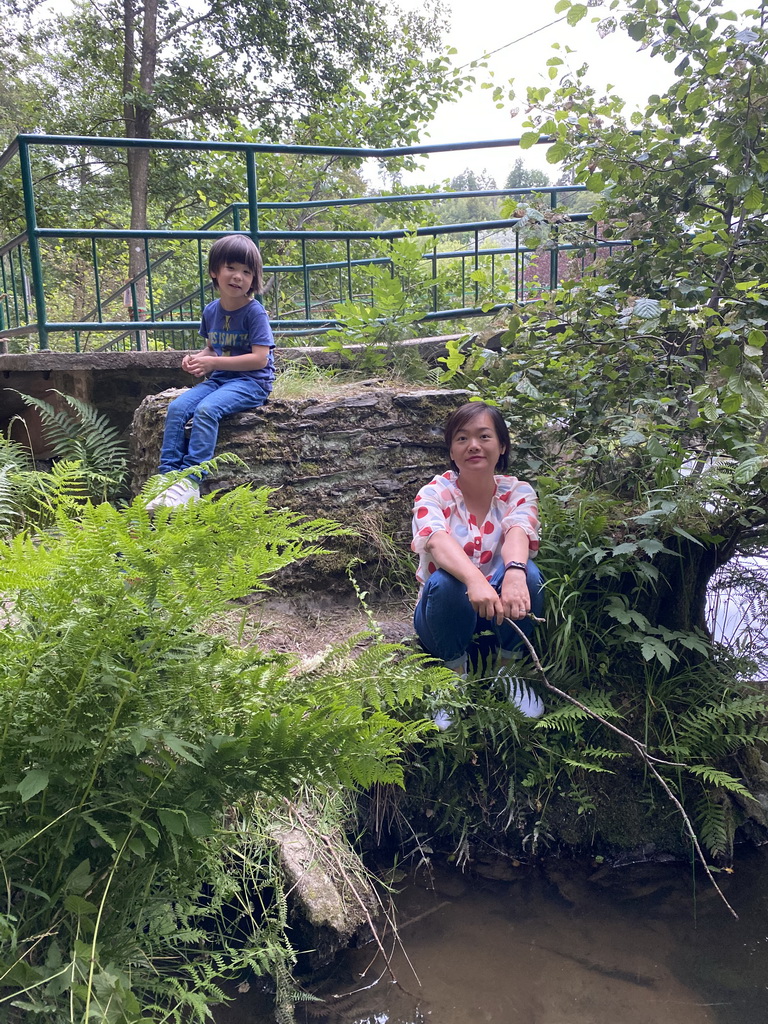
{"x":479,"y":26}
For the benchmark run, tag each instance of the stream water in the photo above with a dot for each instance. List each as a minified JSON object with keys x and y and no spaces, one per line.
{"x":567,"y":943}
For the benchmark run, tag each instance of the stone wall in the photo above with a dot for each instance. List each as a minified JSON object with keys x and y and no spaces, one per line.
{"x":358,"y":457}
{"x":116,"y":382}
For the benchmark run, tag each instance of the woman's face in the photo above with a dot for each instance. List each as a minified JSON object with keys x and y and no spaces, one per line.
{"x":475,"y":447}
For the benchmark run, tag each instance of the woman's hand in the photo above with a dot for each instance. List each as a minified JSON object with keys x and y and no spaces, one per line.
{"x":485,"y":600}
{"x":515,"y":599}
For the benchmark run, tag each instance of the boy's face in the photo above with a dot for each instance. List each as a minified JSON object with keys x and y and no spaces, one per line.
{"x":235,"y":283}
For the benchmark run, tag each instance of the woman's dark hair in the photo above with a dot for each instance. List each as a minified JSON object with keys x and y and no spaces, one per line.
{"x":237,"y":249}
{"x":460,"y":417}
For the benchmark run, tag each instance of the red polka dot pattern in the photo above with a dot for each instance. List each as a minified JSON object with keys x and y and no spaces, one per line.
{"x":439,"y":508}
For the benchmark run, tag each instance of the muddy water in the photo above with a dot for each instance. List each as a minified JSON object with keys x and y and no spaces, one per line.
{"x":569,"y":944}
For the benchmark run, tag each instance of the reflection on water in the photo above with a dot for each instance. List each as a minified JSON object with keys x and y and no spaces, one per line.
{"x":736,"y":608}
{"x":565,"y":944}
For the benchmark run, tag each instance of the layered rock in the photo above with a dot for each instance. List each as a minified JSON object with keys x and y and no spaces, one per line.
{"x":358,"y":457}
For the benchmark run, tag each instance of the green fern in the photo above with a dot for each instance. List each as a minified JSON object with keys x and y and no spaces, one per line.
{"x":85,"y":436}
{"x":713,"y":827}
{"x":126,"y":734}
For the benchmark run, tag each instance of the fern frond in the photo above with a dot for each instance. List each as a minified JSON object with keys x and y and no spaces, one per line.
{"x":84,"y":435}
{"x":712,"y":827}
{"x":587,"y":766}
{"x":568,"y":716}
{"x":716,"y":777}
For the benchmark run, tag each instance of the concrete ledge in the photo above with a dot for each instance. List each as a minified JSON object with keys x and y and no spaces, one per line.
{"x":117,"y":382}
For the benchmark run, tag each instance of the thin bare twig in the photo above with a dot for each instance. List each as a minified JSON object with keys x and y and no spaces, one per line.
{"x":641,"y":750}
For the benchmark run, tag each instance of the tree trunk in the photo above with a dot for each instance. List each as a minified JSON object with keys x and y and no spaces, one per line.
{"x":138,"y":87}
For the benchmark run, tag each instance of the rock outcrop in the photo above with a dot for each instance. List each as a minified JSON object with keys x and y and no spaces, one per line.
{"x":358,"y":457}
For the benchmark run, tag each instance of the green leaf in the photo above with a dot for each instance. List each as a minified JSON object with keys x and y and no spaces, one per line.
{"x":753,"y":198}
{"x":77,"y":905}
{"x":172,"y":819}
{"x":625,"y":548}
{"x":637,"y":30}
{"x":80,"y":879}
{"x":34,"y":782}
{"x":632,"y":438}
{"x":576,"y":13}
{"x":528,"y":139}
{"x":135,"y":845}
{"x":557,"y":152}
{"x":199,"y":824}
{"x":179,"y":747}
{"x":748,"y":470}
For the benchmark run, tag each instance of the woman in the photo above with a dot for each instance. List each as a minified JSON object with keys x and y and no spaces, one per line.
{"x":475,"y":533}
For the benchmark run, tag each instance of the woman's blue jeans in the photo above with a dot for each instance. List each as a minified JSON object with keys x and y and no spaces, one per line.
{"x":447,"y":624}
{"x":206,"y":403}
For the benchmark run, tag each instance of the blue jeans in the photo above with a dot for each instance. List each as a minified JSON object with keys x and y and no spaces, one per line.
{"x":446,"y":622}
{"x":206,"y":403}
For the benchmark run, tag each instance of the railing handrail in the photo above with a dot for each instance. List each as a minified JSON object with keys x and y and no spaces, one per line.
{"x":244,"y":218}
{"x":276,"y":234}
{"x":100,"y":141}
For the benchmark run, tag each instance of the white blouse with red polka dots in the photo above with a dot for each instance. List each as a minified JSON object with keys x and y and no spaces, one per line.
{"x":440,"y":506}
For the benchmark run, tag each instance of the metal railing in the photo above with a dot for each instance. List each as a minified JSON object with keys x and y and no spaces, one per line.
{"x":324,"y":267}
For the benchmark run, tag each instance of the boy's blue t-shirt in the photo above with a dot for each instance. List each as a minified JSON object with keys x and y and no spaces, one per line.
{"x":232,"y":333}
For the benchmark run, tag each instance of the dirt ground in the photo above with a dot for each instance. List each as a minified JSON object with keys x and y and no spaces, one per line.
{"x":315,"y":622}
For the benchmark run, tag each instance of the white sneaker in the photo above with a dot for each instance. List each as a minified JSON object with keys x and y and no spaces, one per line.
{"x":176,"y":494}
{"x":443,"y":719}
{"x":519,"y":693}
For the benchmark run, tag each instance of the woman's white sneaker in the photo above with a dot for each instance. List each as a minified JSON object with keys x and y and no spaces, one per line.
{"x":519,"y":693}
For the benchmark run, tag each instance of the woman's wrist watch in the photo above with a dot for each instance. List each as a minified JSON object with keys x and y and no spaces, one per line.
{"x":515,"y":565}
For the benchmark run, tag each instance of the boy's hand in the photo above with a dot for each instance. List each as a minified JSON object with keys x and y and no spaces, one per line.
{"x":199,"y":363}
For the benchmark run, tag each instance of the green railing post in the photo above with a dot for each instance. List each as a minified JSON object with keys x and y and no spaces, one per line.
{"x":554,"y":253}
{"x":307,"y":293}
{"x":253,"y":201}
{"x":135,"y":309}
{"x":150,"y":292}
{"x":96,"y":281}
{"x":34,"y":245}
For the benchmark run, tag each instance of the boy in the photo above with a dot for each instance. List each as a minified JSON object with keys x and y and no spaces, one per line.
{"x":238,"y":359}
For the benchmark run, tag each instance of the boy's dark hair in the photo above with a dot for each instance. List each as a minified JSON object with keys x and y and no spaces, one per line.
{"x":237,"y":249}
{"x":460,"y":417}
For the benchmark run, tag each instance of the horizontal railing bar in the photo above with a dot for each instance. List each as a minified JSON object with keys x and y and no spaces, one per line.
{"x":274,"y":235}
{"x":415,"y":196}
{"x":9,"y":153}
{"x":98,"y":327}
{"x":18,"y":332}
{"x":14,"y":242}
{"x":258,"y":147}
